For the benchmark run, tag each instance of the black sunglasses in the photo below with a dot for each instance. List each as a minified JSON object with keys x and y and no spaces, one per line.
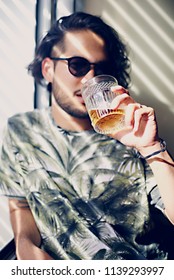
{"x":80,"y":66}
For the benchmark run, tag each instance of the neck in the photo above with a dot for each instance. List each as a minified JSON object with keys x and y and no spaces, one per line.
{"x":68,"y":122}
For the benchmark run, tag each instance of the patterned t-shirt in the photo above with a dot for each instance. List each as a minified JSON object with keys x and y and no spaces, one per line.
{"x":89,"y":194}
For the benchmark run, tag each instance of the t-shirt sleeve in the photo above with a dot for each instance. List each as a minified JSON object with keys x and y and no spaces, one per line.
{"x":10,"y":169}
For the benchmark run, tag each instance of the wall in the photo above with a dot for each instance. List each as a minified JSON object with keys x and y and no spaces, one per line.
{"x":147,"y":27}
{"x":17,"y":25}
{"x":17,"y":43}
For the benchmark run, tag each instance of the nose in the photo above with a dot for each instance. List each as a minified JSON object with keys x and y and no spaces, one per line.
{"x":89,"y":75}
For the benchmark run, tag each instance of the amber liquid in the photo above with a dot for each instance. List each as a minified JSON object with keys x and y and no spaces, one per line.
{"x":107,"y":121}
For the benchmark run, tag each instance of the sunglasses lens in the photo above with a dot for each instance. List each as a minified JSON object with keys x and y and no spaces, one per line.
{"x":102,"y":68}
{"x":79,"y":66}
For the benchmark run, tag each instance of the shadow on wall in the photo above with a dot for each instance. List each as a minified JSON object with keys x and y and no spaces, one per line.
{"x":148,"y":29}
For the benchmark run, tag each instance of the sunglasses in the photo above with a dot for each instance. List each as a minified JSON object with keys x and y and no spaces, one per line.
{"x":80,"y":66}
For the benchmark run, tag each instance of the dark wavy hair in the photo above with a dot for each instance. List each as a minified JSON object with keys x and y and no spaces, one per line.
{"x":115,"y":48}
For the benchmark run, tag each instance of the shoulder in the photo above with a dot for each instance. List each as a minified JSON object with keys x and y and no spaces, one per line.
{"x":27,"y":120}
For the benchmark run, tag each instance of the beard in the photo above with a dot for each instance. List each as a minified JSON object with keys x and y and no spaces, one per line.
{"x":68,"y":104}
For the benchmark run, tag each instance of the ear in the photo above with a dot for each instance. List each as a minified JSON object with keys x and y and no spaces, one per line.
{"x":48,"y":69}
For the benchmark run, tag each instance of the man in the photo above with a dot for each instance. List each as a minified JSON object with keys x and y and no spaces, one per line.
{"x":74,"y":193}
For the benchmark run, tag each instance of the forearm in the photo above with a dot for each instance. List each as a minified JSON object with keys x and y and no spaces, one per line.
{"x":26,"y":234}
{"x":141,"y":132}
{"x":27,"y":250}
{"x":162,"y":166}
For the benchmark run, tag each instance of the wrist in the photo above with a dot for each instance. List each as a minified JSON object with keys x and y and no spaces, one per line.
{"x":151,"y":151}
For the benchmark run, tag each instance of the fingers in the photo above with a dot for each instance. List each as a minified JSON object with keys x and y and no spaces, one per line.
{"x":130,"y":112}
{"x":122,"y":97}
{"x":136,"y":114}
{"x":119,"y":89}
{"x":142,"y":116}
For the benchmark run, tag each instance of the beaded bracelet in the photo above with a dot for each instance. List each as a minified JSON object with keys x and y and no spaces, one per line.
{"x":163,"y":149}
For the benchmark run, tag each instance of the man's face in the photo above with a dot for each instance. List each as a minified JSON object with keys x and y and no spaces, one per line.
{"x":66,"y":88}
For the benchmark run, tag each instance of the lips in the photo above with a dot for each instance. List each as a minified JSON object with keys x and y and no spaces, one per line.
{"x":78,"y":95}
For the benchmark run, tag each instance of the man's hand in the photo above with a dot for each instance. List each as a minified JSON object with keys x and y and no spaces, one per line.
{"x":140,"y":122}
